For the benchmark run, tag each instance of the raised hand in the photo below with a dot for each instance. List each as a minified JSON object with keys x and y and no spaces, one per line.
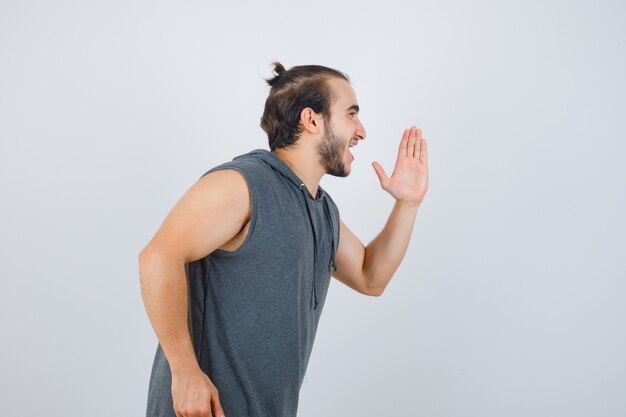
{"x":409,"y":180}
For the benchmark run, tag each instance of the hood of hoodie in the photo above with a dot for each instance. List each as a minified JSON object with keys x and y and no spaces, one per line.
{"x":281,"y":167}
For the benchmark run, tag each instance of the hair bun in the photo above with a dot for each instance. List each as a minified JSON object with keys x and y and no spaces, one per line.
{"x":279,"y":70}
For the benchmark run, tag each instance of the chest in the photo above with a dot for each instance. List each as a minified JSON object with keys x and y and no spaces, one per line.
{"x":296,"y":228}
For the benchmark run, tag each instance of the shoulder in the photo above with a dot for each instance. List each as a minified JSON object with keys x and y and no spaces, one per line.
{"x":230,"y":185}
{"x":249,"y":168}
{"x":209,"y":214}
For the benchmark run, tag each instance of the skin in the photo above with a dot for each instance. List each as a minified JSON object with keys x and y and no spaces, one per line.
{"x":330,"y":152}
{"x":188,"y":233}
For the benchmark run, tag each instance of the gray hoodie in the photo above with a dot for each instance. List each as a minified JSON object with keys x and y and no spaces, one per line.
{"x":254,"y":312}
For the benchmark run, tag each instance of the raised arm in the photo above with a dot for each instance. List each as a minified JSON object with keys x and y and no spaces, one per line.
{"x":208,"y":215}
{"x":369,"y":269}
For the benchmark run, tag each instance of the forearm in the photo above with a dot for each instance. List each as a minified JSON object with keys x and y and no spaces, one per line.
{"x":164,"y":292}
{"x":384,"y":254}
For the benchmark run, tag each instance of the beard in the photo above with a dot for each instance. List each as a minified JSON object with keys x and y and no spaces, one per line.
{"x":331,"y":152}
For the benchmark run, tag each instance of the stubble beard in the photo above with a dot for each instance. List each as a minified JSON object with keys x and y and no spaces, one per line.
{"x":331,"y":152}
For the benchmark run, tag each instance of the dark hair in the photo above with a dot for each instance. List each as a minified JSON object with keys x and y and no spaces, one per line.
{"x":292,"y":91}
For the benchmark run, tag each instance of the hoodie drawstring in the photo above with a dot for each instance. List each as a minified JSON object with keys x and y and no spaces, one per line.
{"x":283,"y":169}
{"x":333,"y":264}
{"x":332,"y":247}
{"x":314,"y":296}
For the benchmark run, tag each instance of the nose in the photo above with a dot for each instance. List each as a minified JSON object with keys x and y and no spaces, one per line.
{"x":360,"y":131}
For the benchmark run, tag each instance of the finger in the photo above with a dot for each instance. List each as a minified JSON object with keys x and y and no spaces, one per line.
{"x":403,"y":144}
{"x":380,"y":172}
{"x":217,"y":407}
{"x":424,"y":152}
{"x":411,"y":144}
{"x":418,"y":140}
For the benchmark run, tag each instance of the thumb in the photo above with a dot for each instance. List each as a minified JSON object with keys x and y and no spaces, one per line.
{"x":217,"y":407}
{"x":380,"y":172}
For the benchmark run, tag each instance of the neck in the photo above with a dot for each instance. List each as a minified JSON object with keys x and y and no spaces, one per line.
{"x":304,"y":162}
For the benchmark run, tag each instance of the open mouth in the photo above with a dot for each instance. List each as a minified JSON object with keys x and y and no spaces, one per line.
{"x":350,"y":146}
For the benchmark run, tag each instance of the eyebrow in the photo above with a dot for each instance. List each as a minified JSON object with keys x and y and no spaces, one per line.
{"x":353,"y":107}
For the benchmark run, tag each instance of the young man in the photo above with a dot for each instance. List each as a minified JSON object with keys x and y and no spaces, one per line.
{"x":235,"y":279}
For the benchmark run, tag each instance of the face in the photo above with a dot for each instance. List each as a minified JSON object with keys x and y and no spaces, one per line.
{"x":343,"y":130}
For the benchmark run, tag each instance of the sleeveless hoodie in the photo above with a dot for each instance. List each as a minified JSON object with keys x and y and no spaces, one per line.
{"x":254,"y":312}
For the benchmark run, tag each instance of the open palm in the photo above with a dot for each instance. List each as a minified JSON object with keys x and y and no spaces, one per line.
{"x":409,"y":180}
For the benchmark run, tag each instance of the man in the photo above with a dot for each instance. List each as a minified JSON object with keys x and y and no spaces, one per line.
{"x":235,"y":279}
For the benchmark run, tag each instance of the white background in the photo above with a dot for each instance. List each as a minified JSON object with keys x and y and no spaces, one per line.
{"x":511,"y":299}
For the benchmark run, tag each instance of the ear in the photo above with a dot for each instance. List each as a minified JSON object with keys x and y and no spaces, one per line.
{"x":310,"y":121}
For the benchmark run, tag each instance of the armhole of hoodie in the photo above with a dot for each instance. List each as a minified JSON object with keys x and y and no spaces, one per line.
{"x":253,"y":202}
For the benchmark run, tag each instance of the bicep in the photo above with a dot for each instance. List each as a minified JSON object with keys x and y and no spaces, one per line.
{"x":209,"y":214}
{"x":349,"y":258}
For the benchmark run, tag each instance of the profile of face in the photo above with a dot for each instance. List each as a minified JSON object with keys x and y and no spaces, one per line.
{"x":343,"y":130}
{"x":331,"y":152}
